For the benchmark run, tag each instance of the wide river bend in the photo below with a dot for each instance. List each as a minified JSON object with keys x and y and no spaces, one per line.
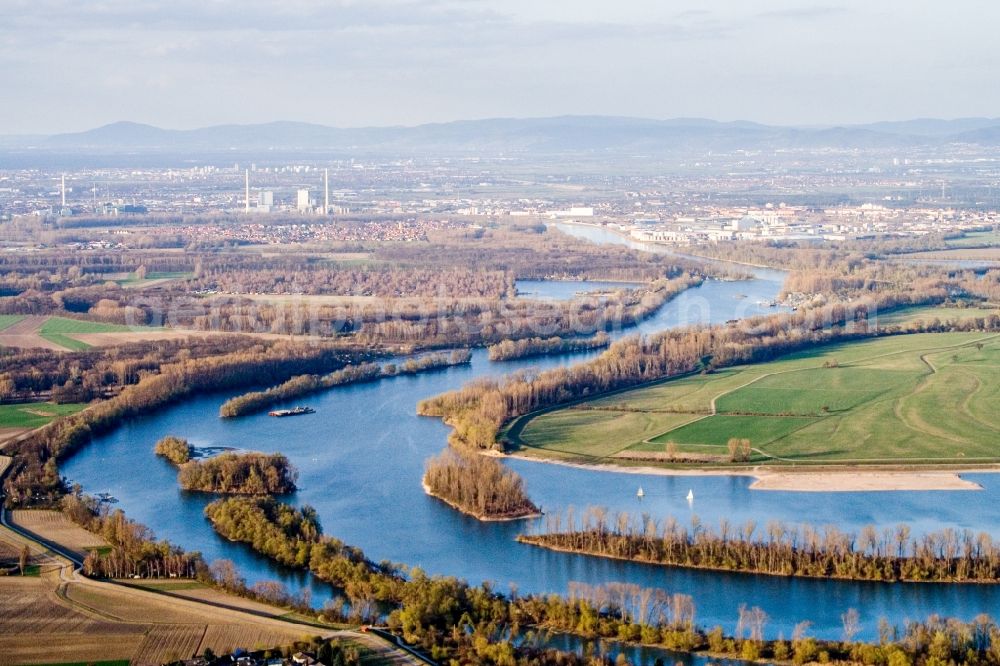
{"x":362,"y":454}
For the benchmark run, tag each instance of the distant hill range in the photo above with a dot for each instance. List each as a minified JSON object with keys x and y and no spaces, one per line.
{"x":564,"y":134}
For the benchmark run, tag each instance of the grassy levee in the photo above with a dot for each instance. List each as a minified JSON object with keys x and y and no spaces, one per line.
{"x":902,"y":400}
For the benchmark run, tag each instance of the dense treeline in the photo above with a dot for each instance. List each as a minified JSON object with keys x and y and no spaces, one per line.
{"x":374,"y":280}
{"x":478,"y":485}
{"x":34,"y":477}
{"x":301,"y":385}
{"x":80,"y":376}
{"x":273,"y":528}
{"x":808,"y":255}
{"x":62,"y":265}
{"x":248,"y":473}
{"x":780,"y":549}
{"x":464,"y":323}
{"x":255,"y":401}
{"x":849,"y":270}
{"x":509,"y":350}
{"x":133,"y":552}
{"x":478,"y":411}
{"x":174,"y":449}
{"x":450,"y":620}
{"x":442,"y":320}
{"x":535,"y":252}
{"x":457,"y":289}
{"x":427,"y":321}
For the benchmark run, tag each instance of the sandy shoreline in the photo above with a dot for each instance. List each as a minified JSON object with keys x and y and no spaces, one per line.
{"x":861,"y":481}
{"x":813,"y":480}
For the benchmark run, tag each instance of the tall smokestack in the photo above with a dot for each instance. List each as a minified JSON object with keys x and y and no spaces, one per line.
{"x":326,"y":191}
{"x":247,"y":190}
{"x":64,"y":190}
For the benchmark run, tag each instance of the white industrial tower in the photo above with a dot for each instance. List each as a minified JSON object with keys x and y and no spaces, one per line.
{"x":64,"y":190}
{"x":326,"y":191}
{"x":247,"y":190}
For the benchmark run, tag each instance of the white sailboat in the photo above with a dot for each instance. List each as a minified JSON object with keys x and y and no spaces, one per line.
{"x":690,"y":495}
{"x":640,"y":494}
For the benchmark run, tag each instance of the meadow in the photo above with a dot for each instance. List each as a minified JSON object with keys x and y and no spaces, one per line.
{"x":61,"y":329}
{"x":929,"y":313}
{"x":8,"y":320}
{"x":910,"y":399}
{"x":153,"y":278}
{"x":34,"y":414}
{"x":975,"y":238}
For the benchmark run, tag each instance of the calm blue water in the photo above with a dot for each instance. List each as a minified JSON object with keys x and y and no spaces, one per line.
{"x":362,"y":454}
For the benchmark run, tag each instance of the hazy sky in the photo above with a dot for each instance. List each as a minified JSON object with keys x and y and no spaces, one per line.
{"x":68,"y":65}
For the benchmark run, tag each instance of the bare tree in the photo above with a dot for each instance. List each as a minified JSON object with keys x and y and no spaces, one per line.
{"x":852,"y":624}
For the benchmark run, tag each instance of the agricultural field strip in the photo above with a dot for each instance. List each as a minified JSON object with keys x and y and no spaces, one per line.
{"x":6,"y":321}
{"x":853,"y":363}
{"x":234,"y":623}
{"x":698,"y":416}
{"x":930,"y":312}
{"x":66,"y":325}
{"x":32,"y":415}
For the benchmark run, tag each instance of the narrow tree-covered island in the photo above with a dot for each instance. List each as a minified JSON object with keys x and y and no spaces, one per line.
{"x":478,"y":485}
{"x":174,"y":449}
{"x":510,"y":350}
{"x":782,"y":550}
{"x":233,"y":473}
{"x":301,"y":385}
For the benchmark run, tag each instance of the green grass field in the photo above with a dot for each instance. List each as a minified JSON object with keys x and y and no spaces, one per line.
{"x":925,"y":398}
{"x":975,"y":238}
{"x":6,"y":321}
{"x":65,"y":341}
{"x":928,"y":313}
{"x":66,"y":326}
{"x":34,"y":414}
{"x":61,"y":329}
{"x":154,"y":276}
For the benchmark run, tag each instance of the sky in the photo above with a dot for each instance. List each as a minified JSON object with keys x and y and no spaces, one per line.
{"x":70,"y":65}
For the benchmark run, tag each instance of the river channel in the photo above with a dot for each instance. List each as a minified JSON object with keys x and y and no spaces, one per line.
{"x":361,"y":456}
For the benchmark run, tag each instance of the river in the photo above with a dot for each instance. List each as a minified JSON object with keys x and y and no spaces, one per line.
{"x":361,"y":456}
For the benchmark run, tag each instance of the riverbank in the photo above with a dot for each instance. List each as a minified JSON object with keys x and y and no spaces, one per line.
{"x":816,"y":480}
{"x":864,"y":480}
